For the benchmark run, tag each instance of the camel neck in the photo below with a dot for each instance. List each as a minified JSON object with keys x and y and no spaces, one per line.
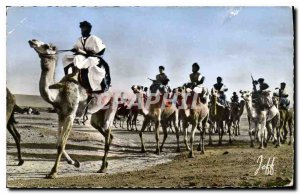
{"x":249,"y":108}
{"x":48,"y":65}
{"x":213,"y":106}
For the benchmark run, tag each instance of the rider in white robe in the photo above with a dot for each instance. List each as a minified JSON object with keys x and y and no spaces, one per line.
{"x":86,"y":48}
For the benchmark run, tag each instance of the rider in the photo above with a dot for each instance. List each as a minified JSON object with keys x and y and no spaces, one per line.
{"x":163,"y":80}
{"x":262,"y":97}
{"x":196,"y":81}
{"x":94,"y":71}
{"x":235,"y":98}
{"x":282,"y":94}
{"x":221,"y":88}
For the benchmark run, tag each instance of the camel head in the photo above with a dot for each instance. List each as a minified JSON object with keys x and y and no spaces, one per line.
{"x":42,"y":48}
{"x":136,"y":89}
{"x":214,"y":93}
{"x":275,"y":100}
{"x":246,"y":95}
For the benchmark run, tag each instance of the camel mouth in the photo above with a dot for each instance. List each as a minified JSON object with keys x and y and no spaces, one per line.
{"x":31,"y":44}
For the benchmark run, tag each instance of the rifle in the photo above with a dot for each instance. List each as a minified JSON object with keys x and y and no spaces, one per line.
{"x":254,"y":86}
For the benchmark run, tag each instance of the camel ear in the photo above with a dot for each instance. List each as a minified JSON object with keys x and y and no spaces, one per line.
{"x":241,"y":91}
{"x":56,"y":86}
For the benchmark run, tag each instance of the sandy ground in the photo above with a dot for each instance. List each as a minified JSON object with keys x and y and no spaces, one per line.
{"x":226,"y":165}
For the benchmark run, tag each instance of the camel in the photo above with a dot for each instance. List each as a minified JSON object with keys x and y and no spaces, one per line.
{"x":160,"y":113}
{"x":122,"y":111}
{"x":260,"y":119}
{"x":11,"y":106}
{"x":218,"y":114}
{"x":135,"y":109}
{"x":286,"y":118}
{"x":236,"y":111}
{"x":65,"y":97}
{"x":195,"y":112}
{"x":121,"y":114}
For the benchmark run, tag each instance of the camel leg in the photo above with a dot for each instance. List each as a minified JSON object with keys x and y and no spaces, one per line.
{"x":108,"y":119}
{"x":135,"y":119}
{"x":277,"y":127}
{"x":192,"y":136}
{"x":229,"y":132}
{"x":67,"y":126}
{"x":17,"y":138}
{"x":251,"y":140}
{"x":21,"y":161}
{"x":128,"y":122}
{"x":220,"y":131}
{"x":202,"y":131}
{"x":108,"y":140}
{"x":185,"y":129}
{"x":145,"y":123}
{"x":69,"y":159}
{"x":157,"y":151}
{"x":238,"y":127}
{"x":278,"y":134}
{"x":262,"y":135}
{"x":270,"y":132}
{"x":165,"y":130}
{"x":175,"y":122}
{"x":209,"y":134}
{"x":290,"y":124}
{"x":285,"y":131}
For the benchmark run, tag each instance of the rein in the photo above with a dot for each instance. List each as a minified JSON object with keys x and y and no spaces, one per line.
{"x":56,"y":53}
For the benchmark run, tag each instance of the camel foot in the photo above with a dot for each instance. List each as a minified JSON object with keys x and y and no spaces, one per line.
{"x":76,"y":164}
{"x":261,"y":147}
{"x":277,"y":145}
{"x":230,"y":141}
{"x":188,"y":148}
{"x":290,"y":143}
{"x":157,"y":151}
{"x":160,"y":148}
{"x":252,"y":146}
{"x":51,"y":175}
{"x":178,"y":150}
{"x":103,"y":168}
{"x":21,"y":162}
{"x":191,"y":155}
{"x":199,"y":148}
{"x":202,"y":152}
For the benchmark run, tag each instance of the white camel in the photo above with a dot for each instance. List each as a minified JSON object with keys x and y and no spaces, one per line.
{"x":259,"y":120}
{"x":65,"y":98}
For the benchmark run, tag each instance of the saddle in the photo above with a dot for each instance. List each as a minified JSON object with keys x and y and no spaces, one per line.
{"x":84,"y":80}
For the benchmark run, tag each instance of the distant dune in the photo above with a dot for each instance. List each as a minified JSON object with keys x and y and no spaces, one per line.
{"x":31,"y":100}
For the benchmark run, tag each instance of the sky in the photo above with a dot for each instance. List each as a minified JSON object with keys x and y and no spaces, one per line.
{"x":231,"y":42}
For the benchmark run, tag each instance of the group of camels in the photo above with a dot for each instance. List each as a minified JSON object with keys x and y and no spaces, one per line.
{"x":68,"y":96}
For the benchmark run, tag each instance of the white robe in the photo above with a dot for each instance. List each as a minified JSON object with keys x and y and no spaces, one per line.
{"x":95,"y":74}
{"x":199,"y":88}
